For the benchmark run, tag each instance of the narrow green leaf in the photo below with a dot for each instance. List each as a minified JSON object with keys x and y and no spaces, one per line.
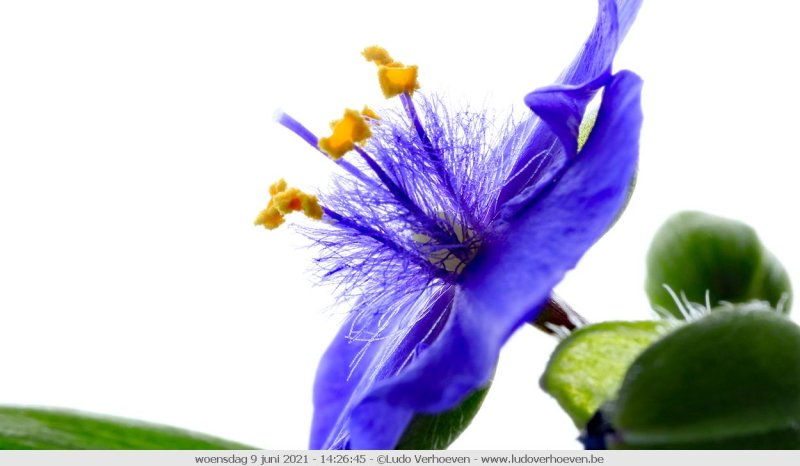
{"x":438,"y":431}
{"x":587,"y":368}
{"x":695,"y":252}
{"x":52,"y":429}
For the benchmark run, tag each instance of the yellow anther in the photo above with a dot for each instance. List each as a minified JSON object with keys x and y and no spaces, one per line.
{"x":395,"y":81}
{"x":346,"y":132}
{"x":311,"y":207}
{"x":378,"y":55}
{"x":270,"y":218}
{"x":369,"y":113}
{"x":277,"y":187}
{"x":394,"y":77}
{"x":288,"y":200}
{"x":285,"y":200}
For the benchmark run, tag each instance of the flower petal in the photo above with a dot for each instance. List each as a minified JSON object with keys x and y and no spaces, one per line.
{"x":598,"y":51}
{"x":562,"y":107}
{"x":578,"y":83}
{"x":337,"y":378}
{"x":512,"y":275}
{"x":367,"y":349}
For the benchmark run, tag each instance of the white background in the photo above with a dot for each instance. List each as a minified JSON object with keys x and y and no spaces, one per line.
{"x":136,"y":147}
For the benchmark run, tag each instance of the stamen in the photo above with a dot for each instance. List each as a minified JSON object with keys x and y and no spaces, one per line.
{"x":270,"y":218}
{"x":411,"y":111}
{"x":394,"y":77}
{"x":277,"y":187}
{"x":395,"y":81}
{"x":311,"y":207}
{"x":346,"y":132}
{"x":297,"y":128}
{"x":393,"y":188}
{"x":284,"y":200}
{"x":398,"y":193}
{"x":402,"y":197}
{"x":433,"y":152}
{"x":379,"y":56}
{"x":366,"y":231}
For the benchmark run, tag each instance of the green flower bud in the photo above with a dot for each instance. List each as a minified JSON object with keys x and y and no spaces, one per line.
{"x":587,"y":367}
{"x":729,"y":380}
{"x":701,"y":257}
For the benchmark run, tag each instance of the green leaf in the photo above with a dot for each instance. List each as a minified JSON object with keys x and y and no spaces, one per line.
{"x":694,"y":252}
{"x":438,"y":431}
{"x":48,"y":429}
{"x":586,"y":368}
{"x":728,"y":380}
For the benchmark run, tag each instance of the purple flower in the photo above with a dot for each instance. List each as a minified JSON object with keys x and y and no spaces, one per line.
{"x":446,"y":231}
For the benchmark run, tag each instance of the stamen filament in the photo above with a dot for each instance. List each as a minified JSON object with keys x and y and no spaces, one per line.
{"x":375,"y":235}
{"x":433,"y":152}
{"x":400,"y":194}
{"x":297,"y":128}
{"x":411,"y":110}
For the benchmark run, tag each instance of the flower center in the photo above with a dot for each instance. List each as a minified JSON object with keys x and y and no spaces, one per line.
{"x":454,"y":258}
{"x":425,"y":222}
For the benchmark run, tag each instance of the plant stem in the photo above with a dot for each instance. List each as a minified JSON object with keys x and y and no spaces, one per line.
{"x":557,"y":312}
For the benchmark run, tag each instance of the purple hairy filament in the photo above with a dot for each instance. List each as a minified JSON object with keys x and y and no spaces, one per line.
{"x":416,"y":199}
